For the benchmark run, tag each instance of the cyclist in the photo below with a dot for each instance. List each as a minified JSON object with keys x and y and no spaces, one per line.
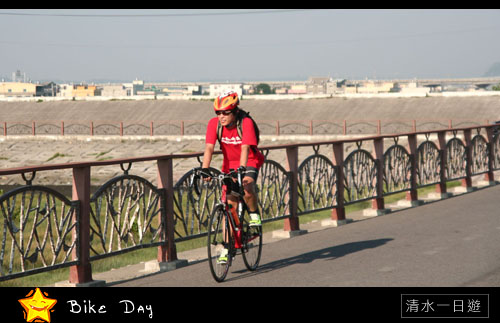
{"x":239,"y":153}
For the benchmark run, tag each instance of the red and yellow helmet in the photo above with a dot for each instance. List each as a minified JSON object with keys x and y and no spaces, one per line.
{"x":226,"y":101}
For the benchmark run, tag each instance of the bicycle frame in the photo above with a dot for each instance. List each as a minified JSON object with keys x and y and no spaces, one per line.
{"x":235,"y":228}
{"x":229,"y":231}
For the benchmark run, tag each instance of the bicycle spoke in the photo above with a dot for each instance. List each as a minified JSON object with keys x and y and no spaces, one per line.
{"x":252,"y":244}
{"x":216,"y":243}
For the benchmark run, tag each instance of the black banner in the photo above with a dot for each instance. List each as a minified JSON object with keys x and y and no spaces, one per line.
{"x":136,"y":304}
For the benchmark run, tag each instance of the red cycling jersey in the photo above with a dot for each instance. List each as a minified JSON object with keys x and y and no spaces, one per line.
{"x":231,"y":144}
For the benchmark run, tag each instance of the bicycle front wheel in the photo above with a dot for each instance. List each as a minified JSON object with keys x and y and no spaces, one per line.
{"x":218,"y":239}
{"x":252,"y":244}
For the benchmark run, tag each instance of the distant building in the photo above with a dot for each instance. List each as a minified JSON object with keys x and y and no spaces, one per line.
{"x":351,"y":88}
{"x":248,"y":89}
{"x":413,"y":88}
{"x":86,"y":90}
{"x":297,"y":89}
{"x":180,"y":90}
{"x":318,"y":80}
{"x":65,"y":90}
{"x":137,"y":86}
{"x":281,"y":90}
{"x":218,"y":89}
{"x":194,"y":90}
{"x":174,"y":91}
{"x":335,"y":86}
{"x":19,"y":77}
{"x":46,"y":89}
{"x":114,"y":90}
{"x":18,"y":89}
{"x":375,"y":87}
{"x":316,"y":85}
{"x":146,"y":92}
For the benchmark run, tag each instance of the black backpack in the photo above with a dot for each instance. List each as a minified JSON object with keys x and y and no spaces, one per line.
{"x":239,"y":121}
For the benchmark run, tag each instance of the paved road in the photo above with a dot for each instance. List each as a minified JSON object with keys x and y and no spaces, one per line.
{"x":453,"y":242}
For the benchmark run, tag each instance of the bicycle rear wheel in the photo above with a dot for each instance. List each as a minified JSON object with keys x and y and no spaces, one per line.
{"x":252,"y":243}
{"x":219,"y":237}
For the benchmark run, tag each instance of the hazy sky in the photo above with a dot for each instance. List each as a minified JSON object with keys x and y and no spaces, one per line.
{"x":247,"y":44}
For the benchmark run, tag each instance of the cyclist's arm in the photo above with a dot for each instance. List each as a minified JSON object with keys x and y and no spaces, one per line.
{"x":249,"y":139}
{"x":244,"y":155}
{"x":210,"y":139}
{"x":207,"y":156}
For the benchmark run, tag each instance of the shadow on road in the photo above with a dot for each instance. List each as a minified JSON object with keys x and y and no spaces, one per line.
{"x":329,"y":253}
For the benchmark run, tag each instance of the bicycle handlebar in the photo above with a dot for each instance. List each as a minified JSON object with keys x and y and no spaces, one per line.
{"x":221,"y":177}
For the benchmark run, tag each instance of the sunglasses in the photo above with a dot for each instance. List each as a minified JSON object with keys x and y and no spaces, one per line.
{"x":226,"y":113}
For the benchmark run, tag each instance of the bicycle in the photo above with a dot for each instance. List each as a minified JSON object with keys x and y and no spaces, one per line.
{"x":240,"y":237}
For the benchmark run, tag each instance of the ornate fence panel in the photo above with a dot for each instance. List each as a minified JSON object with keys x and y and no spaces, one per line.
{"x":195,"y":128}
{"x":496,"y":151}
{"x":361,"y":127}
{"x":77,"y":129}
{"x":317,"y":184}
{"x":295,"y":128}
{"x":36,"y":231}
{"x":321,"y":128}
{"x":480,"y":151}
{"x":192,"y":211}
{"x":456,"y":161}
{"x":137,"y":129}
{"x":273,"y":185}
{"x":397,"y":169}
{"x":432,"y":125}
{"x":19,"y":129}
{"x":106,"y":129}
{"x":360,"y":176}
{"x":126,"y":213}
{"x":166,"y":128}
{"x":428,"y":164}
{"x":397,"y":127}
{"x":266,"y":127}
{"x":48,"y":129}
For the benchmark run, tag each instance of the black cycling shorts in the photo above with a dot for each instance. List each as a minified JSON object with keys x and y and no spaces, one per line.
{"x":250,"y":172}
{"x":233,"y":187}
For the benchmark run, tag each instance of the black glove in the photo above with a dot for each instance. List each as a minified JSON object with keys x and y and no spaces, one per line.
{"x":205,"y":173}
{"x":242,"y":169}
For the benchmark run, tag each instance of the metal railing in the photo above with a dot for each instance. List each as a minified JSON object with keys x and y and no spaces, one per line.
{"x":198,"y":127}
{"x":42,"y":230}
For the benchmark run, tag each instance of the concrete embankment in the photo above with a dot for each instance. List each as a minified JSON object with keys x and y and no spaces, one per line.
{"x":335,"y":108}
{"x":17,"y":151}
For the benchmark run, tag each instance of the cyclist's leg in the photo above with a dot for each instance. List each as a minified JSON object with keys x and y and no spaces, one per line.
{"x":250,"y":197}
{"x":252,"y":230}
{"x":249,"y":187}
{"x":233,"y":201}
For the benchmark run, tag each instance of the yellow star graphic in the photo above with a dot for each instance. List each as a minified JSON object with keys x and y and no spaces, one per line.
{"x":37,"y":307}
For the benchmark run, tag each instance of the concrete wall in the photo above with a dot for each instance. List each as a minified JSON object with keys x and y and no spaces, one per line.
{"x":336,"y":108}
